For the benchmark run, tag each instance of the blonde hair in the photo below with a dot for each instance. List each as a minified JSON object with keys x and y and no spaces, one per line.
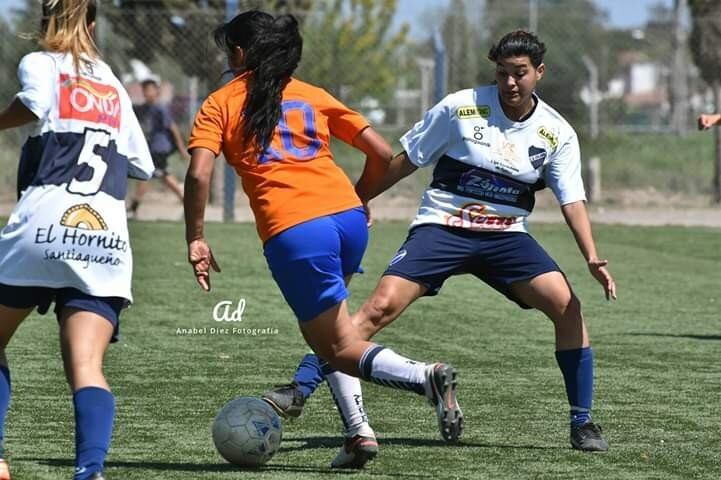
{"x":65,"y":28}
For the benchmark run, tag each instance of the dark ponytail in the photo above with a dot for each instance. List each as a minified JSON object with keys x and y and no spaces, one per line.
{"x":273,"y":48}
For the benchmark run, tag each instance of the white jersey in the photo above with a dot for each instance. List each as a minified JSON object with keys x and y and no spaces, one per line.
{"x":487,"y":167}
{"x":69,"y":228}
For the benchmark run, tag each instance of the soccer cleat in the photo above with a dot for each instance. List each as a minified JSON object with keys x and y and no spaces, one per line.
{"x":97,"y":476}
{"x":441,"y":393}
{"x":356,"y":452}
{"x":588,"y":438}
{"x":4,"y":470}
{"x":287,"y":400}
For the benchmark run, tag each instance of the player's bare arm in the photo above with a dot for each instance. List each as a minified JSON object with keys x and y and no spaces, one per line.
{"x":706,"y":121}
{"x":577,"y":219}
{"x":16,"y":115}
{"x":197,"y":187}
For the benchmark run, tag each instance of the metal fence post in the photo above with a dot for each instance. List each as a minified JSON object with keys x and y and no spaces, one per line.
{"x":229,"y":182}
{"x":440,"y":58}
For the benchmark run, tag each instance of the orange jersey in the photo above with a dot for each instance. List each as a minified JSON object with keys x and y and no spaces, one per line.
{"x":295,"y":179}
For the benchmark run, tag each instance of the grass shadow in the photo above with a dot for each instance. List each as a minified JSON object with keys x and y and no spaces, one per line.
{"x":691,"y":336}
{"x":214,"y":467}
{"x":334,"y":442}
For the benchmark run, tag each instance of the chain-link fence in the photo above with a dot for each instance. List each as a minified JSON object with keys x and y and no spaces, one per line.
{"x":617,"y":80}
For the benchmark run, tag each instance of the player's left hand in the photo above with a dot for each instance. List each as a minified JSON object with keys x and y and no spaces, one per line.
{"x":201,"y":258}
{"x":603,"y":276}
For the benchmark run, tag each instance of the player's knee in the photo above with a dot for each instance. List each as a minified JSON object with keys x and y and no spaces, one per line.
{"x":568,"y":308}
{"x":380,"y":307}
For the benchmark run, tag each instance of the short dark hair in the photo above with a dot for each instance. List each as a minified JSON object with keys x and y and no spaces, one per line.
{"x":150,"y":81}
{"x":516,"y":44}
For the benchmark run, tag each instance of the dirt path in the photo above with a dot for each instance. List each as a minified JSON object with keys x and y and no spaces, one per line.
{"x":161,"y":206}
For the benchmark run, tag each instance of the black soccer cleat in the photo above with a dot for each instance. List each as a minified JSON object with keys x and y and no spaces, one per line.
{"x":588,"y":438}
{"x":97,"y":476}
{"x":287,"y":400}
{"x":441,"y":393}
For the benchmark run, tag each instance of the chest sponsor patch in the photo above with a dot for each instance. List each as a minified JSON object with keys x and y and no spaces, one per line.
{"x":546,"y":134}
{"x":84,"y":99}
{"x":473,"y":111}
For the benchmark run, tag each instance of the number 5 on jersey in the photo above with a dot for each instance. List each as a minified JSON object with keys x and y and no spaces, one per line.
{"x":95,"y":144}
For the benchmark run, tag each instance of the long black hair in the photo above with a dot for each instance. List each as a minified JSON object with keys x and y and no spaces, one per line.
{"x":273,"y":48}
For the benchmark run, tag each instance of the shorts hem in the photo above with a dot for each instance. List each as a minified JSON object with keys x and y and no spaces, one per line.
{"x":431,"y":291}
{"x":323,"y":305}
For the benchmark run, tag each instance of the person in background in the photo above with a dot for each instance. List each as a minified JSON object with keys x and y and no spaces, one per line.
{"x":163,"y":137}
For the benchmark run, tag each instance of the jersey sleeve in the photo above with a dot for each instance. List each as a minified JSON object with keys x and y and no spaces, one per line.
{"x":428,"y":140}
{"x":140,"y":163}
{"x":36,"y":73}
{"x":208,"y":127}
{"x":563,"y":172}
{"x":343,"y":123}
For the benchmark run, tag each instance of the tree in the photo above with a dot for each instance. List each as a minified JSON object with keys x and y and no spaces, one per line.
{"x":350,"y":50}
{"x":570,"y":29}
{"x":705,"y":43}
{"x":461,"y":40}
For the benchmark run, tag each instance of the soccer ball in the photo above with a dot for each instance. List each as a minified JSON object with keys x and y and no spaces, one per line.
{"x":247,"y":431}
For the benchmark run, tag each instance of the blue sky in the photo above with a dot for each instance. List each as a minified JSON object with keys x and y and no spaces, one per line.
{"x":623,"y":13}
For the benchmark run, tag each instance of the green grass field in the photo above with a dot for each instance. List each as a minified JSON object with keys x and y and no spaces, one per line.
{"x":658,"y":374}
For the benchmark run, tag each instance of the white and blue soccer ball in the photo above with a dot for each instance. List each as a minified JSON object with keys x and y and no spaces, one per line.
{"x":247,"y":432}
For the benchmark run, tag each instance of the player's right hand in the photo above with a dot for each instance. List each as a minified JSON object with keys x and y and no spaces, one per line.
{"x":202,"y":260}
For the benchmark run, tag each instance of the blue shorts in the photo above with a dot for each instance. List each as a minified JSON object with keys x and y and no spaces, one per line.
{"x":310,"y":261}
{"x":432,"y":253}
{"x":41,"y":297}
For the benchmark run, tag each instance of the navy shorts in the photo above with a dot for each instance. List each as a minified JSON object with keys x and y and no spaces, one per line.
{"x":160,"y":162}
{"x":41,"y":297}
{"x":310,"y":261}
{"x":433,"y":253}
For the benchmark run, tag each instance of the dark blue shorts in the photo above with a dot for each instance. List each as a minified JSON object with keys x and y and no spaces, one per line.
{"x":433,"y":253}
{"x":310,"y":261}
{"x":41,"y":297}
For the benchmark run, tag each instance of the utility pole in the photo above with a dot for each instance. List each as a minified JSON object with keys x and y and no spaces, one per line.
{"x":533,"y":16}
{"x":679,"y":78}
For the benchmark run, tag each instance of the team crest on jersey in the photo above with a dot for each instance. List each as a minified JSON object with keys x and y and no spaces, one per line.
{"x":83,"y":216}
{"x":546,"y":134}
{"x":536,"y":156}
{"x":83,"y":99}
{"x":473,"y":111}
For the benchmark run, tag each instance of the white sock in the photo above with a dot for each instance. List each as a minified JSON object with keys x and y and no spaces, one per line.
{"x":385,"y":367}
{"x":348,"y":397}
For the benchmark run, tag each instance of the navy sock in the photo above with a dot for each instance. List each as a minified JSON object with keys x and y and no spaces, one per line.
{"x":309,"y":374}
{"x":4,"y":404}
{"x":94,"y":412}
{"x":577,"y":368}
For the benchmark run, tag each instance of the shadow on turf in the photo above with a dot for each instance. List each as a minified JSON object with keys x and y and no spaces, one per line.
{"x":692,"y":336}
{"x":334,"y":442}
{"x":211,"y":467}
